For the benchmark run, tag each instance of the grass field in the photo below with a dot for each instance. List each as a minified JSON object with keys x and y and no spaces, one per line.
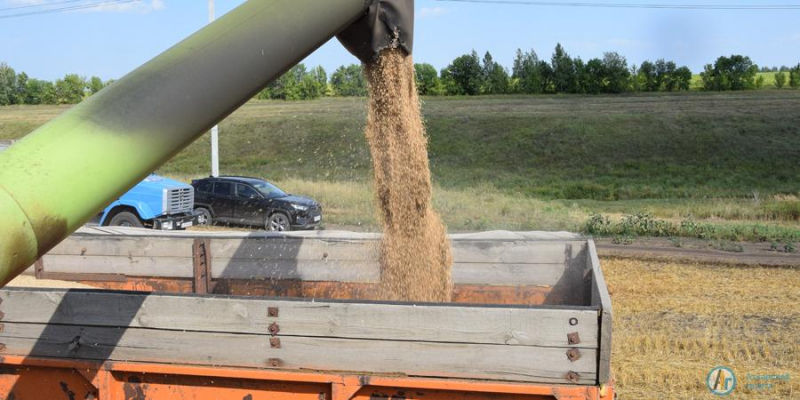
{"x":674,"y":322}
{"x":769,"y":80}
{"x":542,"y":162}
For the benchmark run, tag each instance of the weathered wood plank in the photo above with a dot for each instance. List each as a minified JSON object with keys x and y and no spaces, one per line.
{"x":369,"y":271}
{"x":519,"y":252}
{"x":507,"y":274}
{"x":452,"y":324}
{"x":295,"y":249}
{"x":129,"y":246}
{"x":307,"y":270}
{"x":601,"y":297}
{"x":177,"y":267}
{"x":471,"y":361}
{"x":478,"y":251}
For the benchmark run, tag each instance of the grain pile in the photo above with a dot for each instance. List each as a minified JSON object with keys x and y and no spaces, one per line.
{"x":415,"y":253}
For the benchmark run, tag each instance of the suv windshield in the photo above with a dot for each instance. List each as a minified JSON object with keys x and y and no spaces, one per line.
{"x":269,"y":190}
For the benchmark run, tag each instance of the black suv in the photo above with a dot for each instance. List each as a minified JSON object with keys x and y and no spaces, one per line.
{"x":254,"y":202}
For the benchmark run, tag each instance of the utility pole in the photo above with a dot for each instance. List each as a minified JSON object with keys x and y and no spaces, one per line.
{"x":215,"y":129}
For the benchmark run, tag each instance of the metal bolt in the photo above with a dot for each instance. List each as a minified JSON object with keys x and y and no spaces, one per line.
{"x":573,"y":321}
{"x":573,"y":338}
{"x":272,"y":312}
{"x":274,"y":362}
{"x":573,"y":355}
{"x":2,"y":347}
{"x":275,"y":343}
{"x":573,"y":376}
{"x":274,"y":328}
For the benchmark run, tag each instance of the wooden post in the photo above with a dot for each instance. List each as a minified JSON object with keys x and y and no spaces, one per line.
{"x":201,"y":256}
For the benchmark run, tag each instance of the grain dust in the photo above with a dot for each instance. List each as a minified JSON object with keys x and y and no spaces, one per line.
{"x":415,"y":253}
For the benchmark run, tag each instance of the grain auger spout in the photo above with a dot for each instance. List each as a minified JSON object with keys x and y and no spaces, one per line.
{"x":58,"y":177}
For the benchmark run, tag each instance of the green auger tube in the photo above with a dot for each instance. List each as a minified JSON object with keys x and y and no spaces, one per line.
{"x":58,"y":177}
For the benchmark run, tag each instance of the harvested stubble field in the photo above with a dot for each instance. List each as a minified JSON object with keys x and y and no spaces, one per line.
{"x":674,"y":322}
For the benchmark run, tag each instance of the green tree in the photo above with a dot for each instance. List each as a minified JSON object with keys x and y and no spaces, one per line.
{"x":683,"y":78}
{"x":730,"y":73}
{"x":349,"y":81}
{"x":595,"y":81}
{"x":528,"y":73}
{"x":547,"y":76}
{"x":669,"y":82}
{"x":648,"y":77}
{"x":34,"y":91}
{"x":581,"y":76}
{"x":794,"y":77}
{"x":495,"y":76}
{"x":321,"y":77}
{"x":96,"y":84}
{"x":617,"y":73}
{"x":564,"y":78}
{"x":780,"y":80}
{"x":22,"y":87}
{"x":464,"y":76}
{"x":427,"y":79}
{"x":8,"y":84}
{"x":71,"y":89}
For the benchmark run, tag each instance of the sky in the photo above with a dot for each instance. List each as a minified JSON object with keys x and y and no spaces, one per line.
{"x":114,"y":39}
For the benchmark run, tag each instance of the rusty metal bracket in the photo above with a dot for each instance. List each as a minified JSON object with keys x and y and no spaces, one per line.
{"x":275,"y":343}
{"x":573,"y":338}
{"x":274,"y":328}
{"x":272,"y":312}
{"x":573,"y":376}
{"x":573,"y":355}
{"x":201,"y":261}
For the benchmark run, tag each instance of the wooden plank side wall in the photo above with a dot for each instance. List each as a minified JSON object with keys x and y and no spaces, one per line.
{"x":455,"y":324}
{"x":476,"y":261}
{"x":496,"y":343}
{"x":601,"y":298}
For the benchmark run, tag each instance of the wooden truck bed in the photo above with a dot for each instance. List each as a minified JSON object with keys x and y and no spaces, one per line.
{"x":530,"y":313}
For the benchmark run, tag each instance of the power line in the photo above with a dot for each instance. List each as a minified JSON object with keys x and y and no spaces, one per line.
{"x":64,"y":9}
{"x":637,"y":5}
{"x":40,"y":5}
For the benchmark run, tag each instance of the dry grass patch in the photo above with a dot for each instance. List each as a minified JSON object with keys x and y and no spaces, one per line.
{"x":674,"y":322}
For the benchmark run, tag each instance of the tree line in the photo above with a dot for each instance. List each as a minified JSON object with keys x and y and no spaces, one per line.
{"x":19,"y":88}
{"x":466,"y":75}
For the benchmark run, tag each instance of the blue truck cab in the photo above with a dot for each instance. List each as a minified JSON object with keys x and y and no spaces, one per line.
{"x":156,"y":202}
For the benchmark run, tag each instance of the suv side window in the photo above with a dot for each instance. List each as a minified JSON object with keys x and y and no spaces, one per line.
{"x":222,"y":188}
{"x":245,"y":192}
{"x":204,"y":187}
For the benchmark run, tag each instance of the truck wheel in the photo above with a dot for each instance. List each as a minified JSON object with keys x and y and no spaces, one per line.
{"x":127,"y":219}
{"x":278,"y":222}
{"x":204,"y":218}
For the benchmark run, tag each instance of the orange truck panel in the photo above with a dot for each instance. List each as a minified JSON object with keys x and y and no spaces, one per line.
{"x":37,"y":378}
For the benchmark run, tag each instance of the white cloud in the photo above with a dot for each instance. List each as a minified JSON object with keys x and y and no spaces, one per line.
{"x":432,"y":12}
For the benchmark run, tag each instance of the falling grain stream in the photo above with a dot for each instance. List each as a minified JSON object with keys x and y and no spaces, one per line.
{"x":415,"y":255}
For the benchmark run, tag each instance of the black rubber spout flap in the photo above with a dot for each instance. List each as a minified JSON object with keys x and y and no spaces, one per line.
{"x":387,"y":24}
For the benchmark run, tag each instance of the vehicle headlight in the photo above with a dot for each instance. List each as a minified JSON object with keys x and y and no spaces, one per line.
{"x":299,"y":207}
